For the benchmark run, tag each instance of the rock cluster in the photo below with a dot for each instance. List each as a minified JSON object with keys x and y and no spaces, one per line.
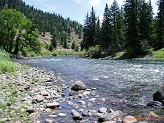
{"x":27,"y":93}
{"x":31,"y":92}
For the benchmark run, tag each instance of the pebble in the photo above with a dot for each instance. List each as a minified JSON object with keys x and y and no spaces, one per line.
{"x":130,"y":119}
{"x":61,"y":114}
{"x":102,"y":110}
{"x":49,"y":121}
{"x":81,"y":102}
{"x":53,"y":105}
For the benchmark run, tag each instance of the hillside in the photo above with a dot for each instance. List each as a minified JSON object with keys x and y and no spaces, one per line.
{"x":47,"y":23}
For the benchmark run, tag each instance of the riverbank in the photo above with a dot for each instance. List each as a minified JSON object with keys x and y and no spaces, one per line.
{"x":22,"y":90}
{"x":38,"y":96}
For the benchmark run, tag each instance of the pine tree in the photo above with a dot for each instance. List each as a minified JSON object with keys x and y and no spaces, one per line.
{"x":84,"y":43}
{"x":160,"y":25}
{"x":133,"y":44}
{"x":92,"y":24}
{"x":106,"y":31}
{"x":97,"y":34}
{"x":118,"y":27}
{"x":145,"y":23}
{"x":89,"y":31}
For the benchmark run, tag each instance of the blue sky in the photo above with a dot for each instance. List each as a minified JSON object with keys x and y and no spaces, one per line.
{"x":76,"y":9}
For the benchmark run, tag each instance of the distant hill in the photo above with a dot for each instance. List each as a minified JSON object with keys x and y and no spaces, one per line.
{"x":46,"y":22}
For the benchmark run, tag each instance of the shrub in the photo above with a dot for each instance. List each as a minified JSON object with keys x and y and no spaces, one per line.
{"x":7,"y":66}
{"x":94,"y":52}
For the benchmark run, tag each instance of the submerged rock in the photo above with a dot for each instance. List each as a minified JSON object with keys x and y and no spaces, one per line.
{"x":76,"y":115}
{"x":78,"y":85}
{"x":155,"y":104}
{"x":159,"y":95}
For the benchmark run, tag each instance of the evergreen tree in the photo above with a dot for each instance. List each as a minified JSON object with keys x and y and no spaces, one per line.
{"x":97,"y":34}
{"x":89,"y":31}
{"x":84,"y":43}
{"x":133,"y":44}
{"x":118,"y":27}
{"x":145,"y":23}
{"x":106,"y":31}
{"x":160,"y":25}
{"x":92,"y":24}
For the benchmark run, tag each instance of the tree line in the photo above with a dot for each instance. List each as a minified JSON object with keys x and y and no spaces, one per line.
{"x":132,"y":28}
{"x":20,"y":22}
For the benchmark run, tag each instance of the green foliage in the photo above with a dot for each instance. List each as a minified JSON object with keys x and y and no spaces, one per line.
{"x":7,"y":66}
{"x":158,"y":54}
{"x":94,"y":51}
{"x":17,"y":33}
{"x":160,"y":25}
{"x":3,"y":55}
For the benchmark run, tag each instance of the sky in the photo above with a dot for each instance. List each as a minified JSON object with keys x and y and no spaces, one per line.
{"x":76,"y":9}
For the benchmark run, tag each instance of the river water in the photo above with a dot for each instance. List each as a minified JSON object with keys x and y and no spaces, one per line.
{"x":128,"y":85}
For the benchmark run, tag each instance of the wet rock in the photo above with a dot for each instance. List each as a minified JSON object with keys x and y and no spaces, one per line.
{"x":85,"y":93}
{"x":155,"y":104}
{"x":73,"y":93}
{"x":53,"y":105}
{"x":76,"y":115}
{"x":102,"y":110}
{"x":130,"y":119}
{"x":44,"y":93}
{"x":85,"y":113}
{"x":78,"y":85}
{"x":38,"y":98}
{"x":159,"y":95}
{"x":61,"y":114}
{"x":81,"y":102}
{"x":97,"y":114}
{"x":49,"y":121}
{"x":30,"y":110}
{"x":104,"y":118}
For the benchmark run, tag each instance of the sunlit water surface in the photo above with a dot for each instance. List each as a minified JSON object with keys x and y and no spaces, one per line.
{"x":128,"y":85}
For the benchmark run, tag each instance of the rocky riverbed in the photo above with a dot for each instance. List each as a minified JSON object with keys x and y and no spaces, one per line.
{"x":36,"y":96}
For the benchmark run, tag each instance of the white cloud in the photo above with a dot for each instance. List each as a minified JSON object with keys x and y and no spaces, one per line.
{"x":94,"y":2}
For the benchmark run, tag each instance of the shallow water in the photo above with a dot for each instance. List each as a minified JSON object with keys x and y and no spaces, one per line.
{"x":128,"y":85}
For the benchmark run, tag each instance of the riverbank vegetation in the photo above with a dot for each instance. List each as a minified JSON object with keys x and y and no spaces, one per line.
{"x":5,"y":64}
{"x":23,"y":27}
{"x":132,"y":29}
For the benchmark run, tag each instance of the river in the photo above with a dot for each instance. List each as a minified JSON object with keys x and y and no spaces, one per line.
{"x":128,"y":85}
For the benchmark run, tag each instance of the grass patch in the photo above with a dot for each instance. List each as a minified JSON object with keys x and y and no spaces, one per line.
{"x":158,"y":54}
{"x":7,"y":66}
{"x":4,"y":55}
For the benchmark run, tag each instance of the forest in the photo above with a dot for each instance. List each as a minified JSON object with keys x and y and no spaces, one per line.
{"x":22,"y":24}
{"x":132,"y":28}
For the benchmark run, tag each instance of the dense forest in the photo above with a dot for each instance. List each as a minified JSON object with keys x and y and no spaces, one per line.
{"x":13,"y":36}
{"x":132,"y":28}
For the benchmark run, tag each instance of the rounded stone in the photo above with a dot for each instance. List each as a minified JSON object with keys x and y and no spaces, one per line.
{"x":102,"y":110}
{"x":130,"y":119}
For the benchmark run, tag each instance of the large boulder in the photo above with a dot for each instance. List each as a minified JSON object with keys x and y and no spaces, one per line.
{"x":159,"y":95}
{"x":78,"y":85}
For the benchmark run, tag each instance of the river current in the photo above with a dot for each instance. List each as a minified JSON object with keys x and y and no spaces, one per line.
{"x":128,"y":85}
